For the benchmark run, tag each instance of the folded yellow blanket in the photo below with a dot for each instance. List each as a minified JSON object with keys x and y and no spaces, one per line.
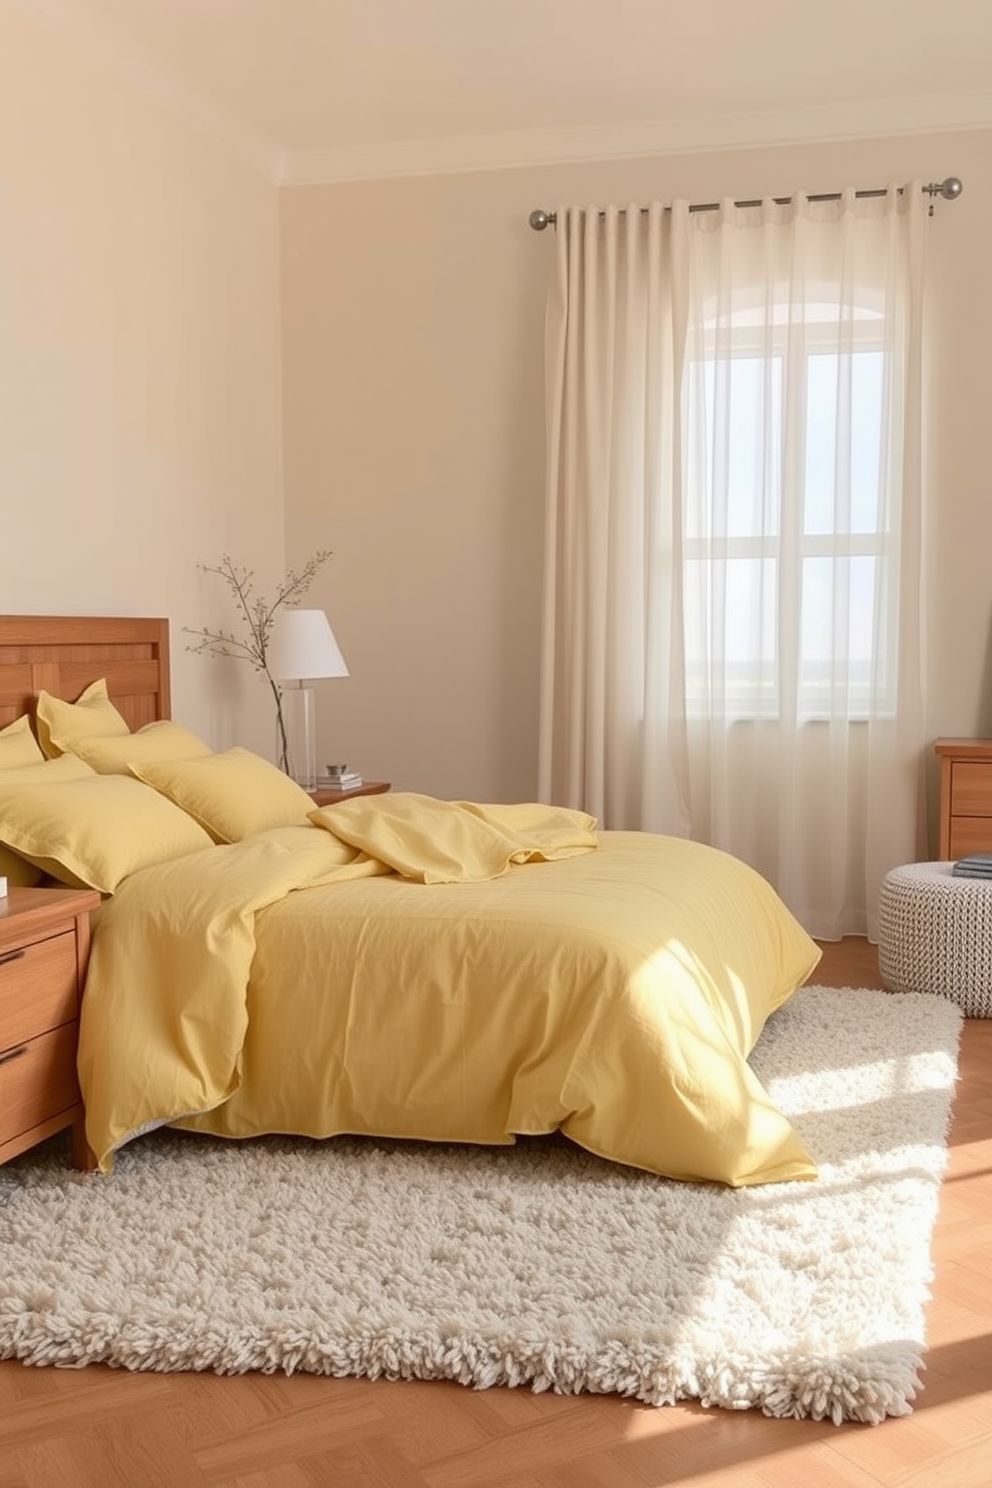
{"x":436,"y":841}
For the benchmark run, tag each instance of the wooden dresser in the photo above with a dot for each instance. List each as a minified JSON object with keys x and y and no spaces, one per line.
{"x":965,"y":797}
{"x":44,"y":944}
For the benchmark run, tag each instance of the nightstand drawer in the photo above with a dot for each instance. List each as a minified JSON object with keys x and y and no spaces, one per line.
{"x":969,"y":834}
{"x":38,"y":1081}
{"x":37,"y":988}
{"x":965,"y":822}
{"x":971,"y":788}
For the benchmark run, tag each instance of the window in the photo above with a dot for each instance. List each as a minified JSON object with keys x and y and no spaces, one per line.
{"x":786,"y":512}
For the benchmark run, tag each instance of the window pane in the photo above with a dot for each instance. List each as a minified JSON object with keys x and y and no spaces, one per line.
{"x":843,"y":441}
{"x":838,"y":627}
{"x":734,"y":444}
{"x":731,"y":612}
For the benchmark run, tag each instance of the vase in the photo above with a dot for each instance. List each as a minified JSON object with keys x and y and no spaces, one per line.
{"x":298,"y":715}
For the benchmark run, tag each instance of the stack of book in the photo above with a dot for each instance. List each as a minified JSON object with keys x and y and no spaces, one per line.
{"x":339,"y":777}
{"x":975,"y":865}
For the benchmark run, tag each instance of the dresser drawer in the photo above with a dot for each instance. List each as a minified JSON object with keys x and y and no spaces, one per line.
{"x":38,"y":1080}
{"x":37,"y":988}
{"x":971,"y":788}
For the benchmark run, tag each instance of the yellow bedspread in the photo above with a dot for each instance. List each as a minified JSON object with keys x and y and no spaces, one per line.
{"x":609,"y":985}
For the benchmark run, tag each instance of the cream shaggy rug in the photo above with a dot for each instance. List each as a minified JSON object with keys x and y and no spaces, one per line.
{"x":535,"y":1265}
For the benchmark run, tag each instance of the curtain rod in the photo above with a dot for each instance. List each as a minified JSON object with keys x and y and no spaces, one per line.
{"x":950,"y":188}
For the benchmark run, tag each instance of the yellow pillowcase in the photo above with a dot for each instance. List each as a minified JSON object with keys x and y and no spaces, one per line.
{"x":18,"y":872}
{"x":232,"y":794}
{"x":18,"y":745}
{"x":48,"y":771}
{"x":156,"y":741}
{"x":92,"y":830}
{"x":92,"y":715}
{"x":14,"y":868}
{"x":18,"y":748}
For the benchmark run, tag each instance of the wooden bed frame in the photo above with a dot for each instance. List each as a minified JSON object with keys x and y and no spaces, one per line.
{"x":62,"y":654}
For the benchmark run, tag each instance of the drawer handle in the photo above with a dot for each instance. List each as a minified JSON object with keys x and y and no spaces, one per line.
{"x":11,"y":956}
{"x":10,"y":1054}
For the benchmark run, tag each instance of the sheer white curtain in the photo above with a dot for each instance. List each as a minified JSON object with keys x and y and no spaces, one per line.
{"x":733,"y":605}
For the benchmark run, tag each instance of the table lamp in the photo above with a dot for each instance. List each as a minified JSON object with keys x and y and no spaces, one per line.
{"x":301,"y":649}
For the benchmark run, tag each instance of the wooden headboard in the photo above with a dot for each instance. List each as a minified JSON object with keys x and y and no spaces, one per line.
{"x":64,"y":653}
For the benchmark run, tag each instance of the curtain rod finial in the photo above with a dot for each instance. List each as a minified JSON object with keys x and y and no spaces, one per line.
{"x":539,"y":219}
{"x":949,"y":188}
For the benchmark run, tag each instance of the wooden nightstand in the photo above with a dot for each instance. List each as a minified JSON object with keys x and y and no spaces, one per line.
{"x":44,"y":945}
{"x":326,"y":797}
{"x":965,"y":797}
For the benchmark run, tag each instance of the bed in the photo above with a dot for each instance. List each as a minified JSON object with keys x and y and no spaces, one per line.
{"x":390,"y":966}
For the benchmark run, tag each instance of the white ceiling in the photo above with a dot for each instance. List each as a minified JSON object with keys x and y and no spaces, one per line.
{"x":335,"y":89}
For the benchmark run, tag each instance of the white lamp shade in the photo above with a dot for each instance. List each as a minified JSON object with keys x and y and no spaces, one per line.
{"x":301,"y":646}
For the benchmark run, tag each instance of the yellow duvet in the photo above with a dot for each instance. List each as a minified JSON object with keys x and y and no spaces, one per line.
{"x":448,"y":972}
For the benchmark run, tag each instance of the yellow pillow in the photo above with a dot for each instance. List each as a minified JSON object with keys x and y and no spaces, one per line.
{"x":14,"y":868}
{"x":18,"y":748}
{"x":92,"y":830}
{"x":156,"y":741}
{"x":18,"y":872}
{"x":92,"y":715}
{"x":18,"y":745}
{"x":232,"y":794}
{"x":48,"y":771}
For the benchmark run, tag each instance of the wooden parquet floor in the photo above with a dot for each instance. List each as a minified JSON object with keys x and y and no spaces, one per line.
{"x":102,"y":1428}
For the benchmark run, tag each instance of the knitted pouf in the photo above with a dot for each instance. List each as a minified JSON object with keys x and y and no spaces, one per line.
{"x":935,"y":935}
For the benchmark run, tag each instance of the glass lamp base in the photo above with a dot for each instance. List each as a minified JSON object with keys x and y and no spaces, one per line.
{"x":298,"y":716}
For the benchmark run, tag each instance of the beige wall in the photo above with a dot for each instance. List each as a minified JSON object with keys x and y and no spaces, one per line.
{"x":139,"y":363}
{"x":413,"y":407}
{"x":412,"y":345}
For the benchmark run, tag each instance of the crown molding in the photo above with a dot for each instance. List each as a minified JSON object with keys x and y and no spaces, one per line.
{"x":505,"y":151}
{"x":928,"y":115}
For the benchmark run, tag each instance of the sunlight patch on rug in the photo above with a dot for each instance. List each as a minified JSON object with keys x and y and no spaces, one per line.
{"x":536,"y":1265}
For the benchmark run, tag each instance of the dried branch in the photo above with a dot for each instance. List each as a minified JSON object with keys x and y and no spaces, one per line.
{"x":258,"y":614}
